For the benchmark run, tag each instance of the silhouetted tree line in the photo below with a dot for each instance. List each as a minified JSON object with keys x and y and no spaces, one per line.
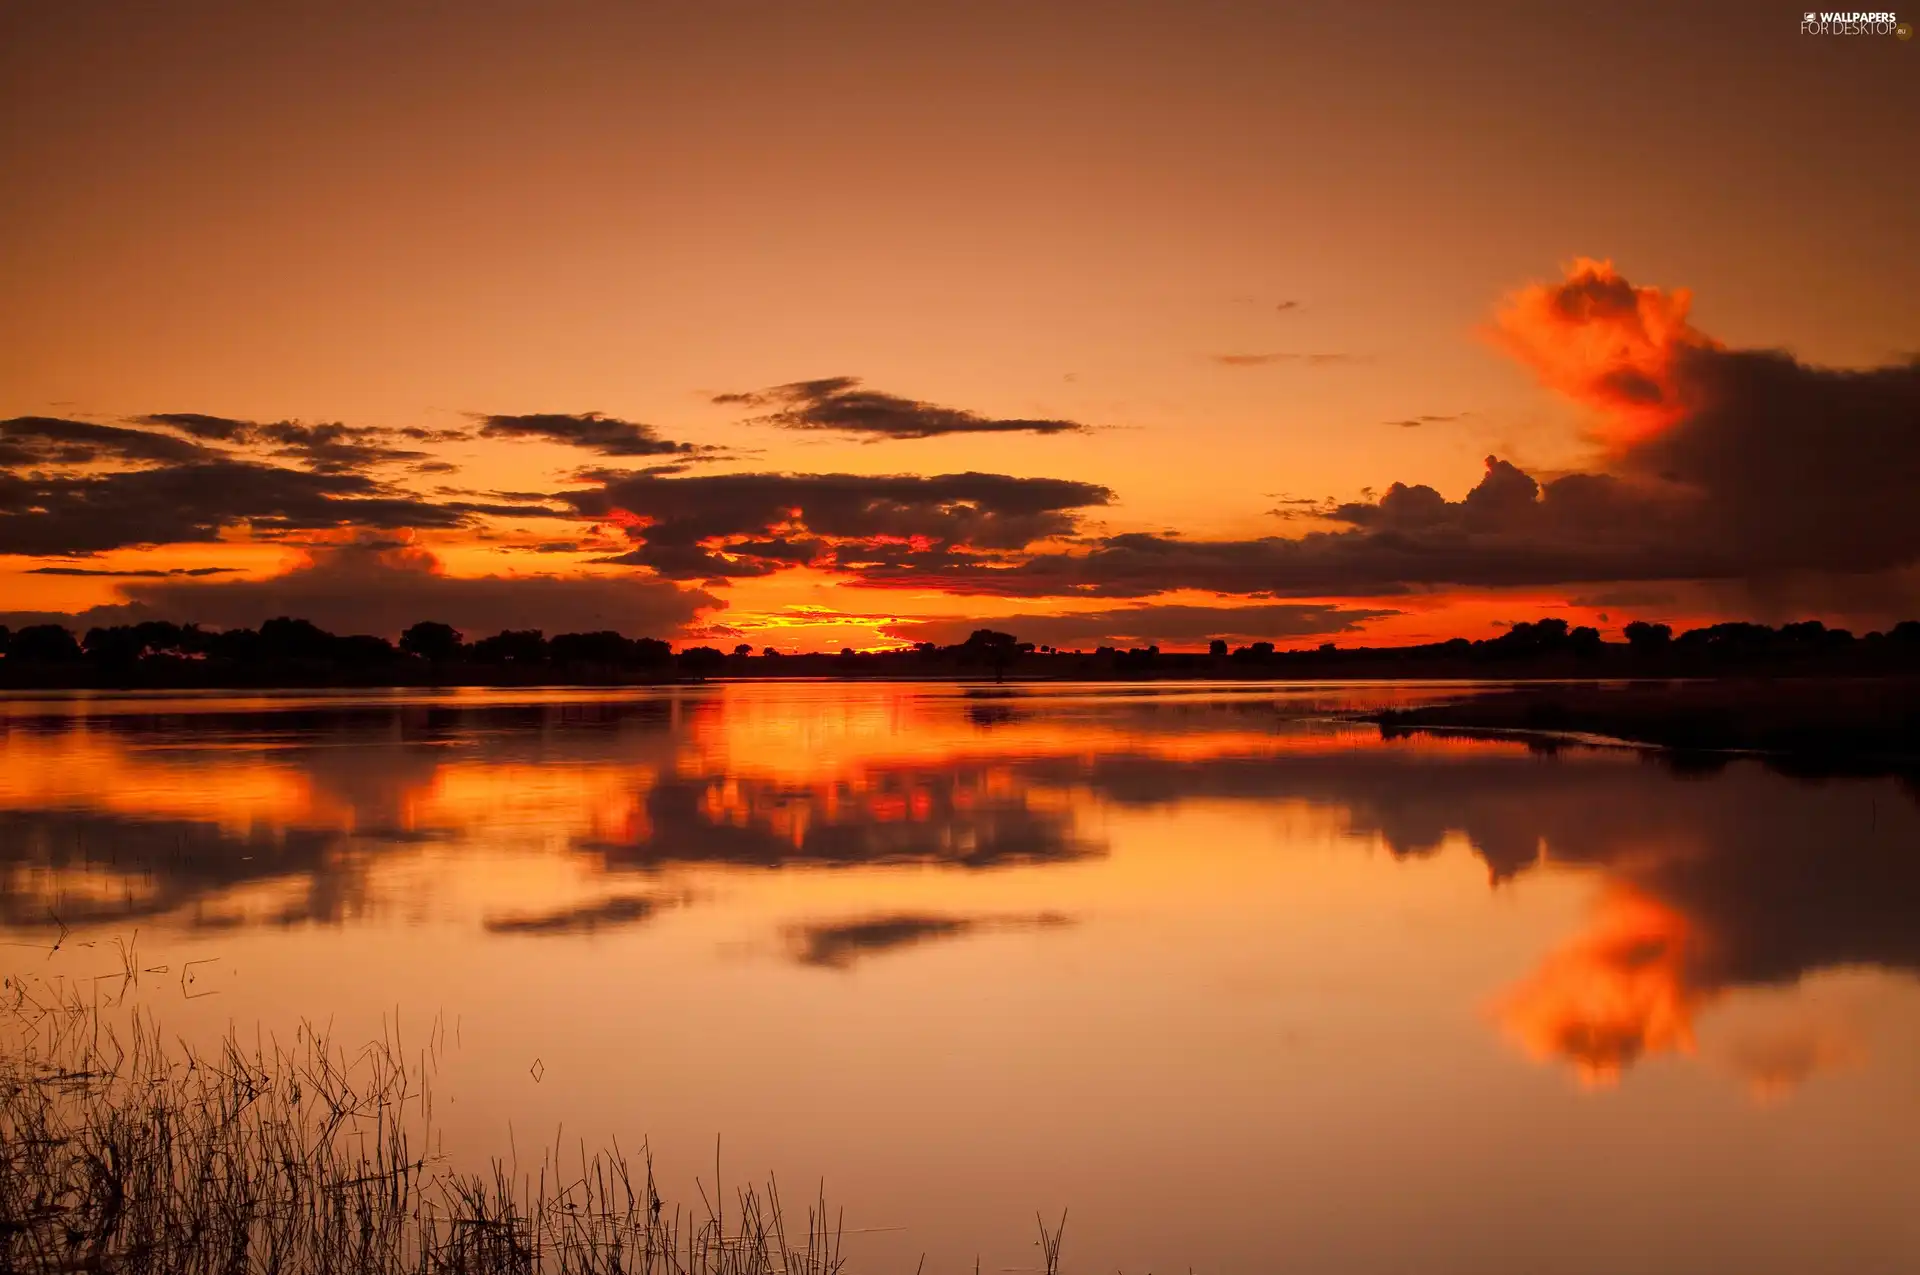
{"x":299,"y":648}
{"x":294,"y":651}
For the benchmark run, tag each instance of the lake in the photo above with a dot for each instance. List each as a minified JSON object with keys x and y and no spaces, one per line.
{"x":1239,"y":983}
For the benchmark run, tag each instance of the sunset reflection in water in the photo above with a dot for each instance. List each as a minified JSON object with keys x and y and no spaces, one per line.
{"x":1090,"y":930}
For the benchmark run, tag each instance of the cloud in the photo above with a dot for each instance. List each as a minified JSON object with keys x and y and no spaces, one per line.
{"x":151,"y":574}
{"x":192,"y":860}
{"x":1262,"y":360}
{"x":63,"y":514}
{"x":1744,"y":466}
{"x":47,"y":440}
{"x":1144,"y":625}
{"x":583,"y":918}
{"x":838,"y":944}
{"x":334,"y":448}
{"x":1508,"y":531}
{"x":377,"y":589}
{"x":770,"y":522}
{"x":1604,"y":342}
{"x":1623,"y":988}
{"x":1287,"y":305}
{"x":200,"y":425}
{"x":1415,"y":422}
{"x":838,"y":403}
{"x":608,"y":435}
{"x":945,"y":812}
{"x":328,"y":447}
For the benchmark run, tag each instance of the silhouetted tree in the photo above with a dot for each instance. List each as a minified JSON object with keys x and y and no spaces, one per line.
{"x":512,"y":646}
{"x":770,"y":653}
{"x":1585,"y":642}
{"x":431,"y":640}
{"x":603,"y":646}
{"x":993,"y":648}
{"x":120,"y":644}
{"x":700,"y":661}
{"x":124,"y":644}
{"x":361,"y":650}
{"x":1648,"y":639}
{"x":162,"y":637}
{"x":6,"y":638}
{"x":1530,"y":637}
{"x":286,"y":638}
{"x":1729,"y":643}
{"x":238,"y":645}
{"x":1217,"y":648}
{"x":743,"y":650}
{"x":43,"y":644}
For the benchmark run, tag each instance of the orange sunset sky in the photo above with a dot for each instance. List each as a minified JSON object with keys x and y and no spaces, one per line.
{"x":817,"y":325}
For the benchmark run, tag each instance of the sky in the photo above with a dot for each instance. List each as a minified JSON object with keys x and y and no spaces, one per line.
{"x":835,"y":325}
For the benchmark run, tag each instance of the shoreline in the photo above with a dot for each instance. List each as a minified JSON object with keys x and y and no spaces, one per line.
{"x":1809,"y":726}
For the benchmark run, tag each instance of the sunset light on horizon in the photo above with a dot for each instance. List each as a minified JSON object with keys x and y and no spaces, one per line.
{"x":867,"y":326}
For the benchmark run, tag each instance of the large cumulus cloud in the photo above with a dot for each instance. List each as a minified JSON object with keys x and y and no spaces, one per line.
{"x":1715,"y":464}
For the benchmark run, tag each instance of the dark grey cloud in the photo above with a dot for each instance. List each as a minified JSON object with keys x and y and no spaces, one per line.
{"x":1506,"y":532}
{"x":768,"y":522}
{"x":154,"y":574}
{"x":335,"y":448}
{"x":1170,"y":625}
{"x":617,"y":912}
{"x":838,"y":944}
{"x":191,"y":502}
{"x":47,"y":440}
{"x":592,"y":431}
{"x":192,"y":861}
{"x":507,"y":509}
{"x":840,"y":404}
{"x":372,"y":589}
{"x":324,"y":447}
{"x":201,"y":425}
{"x":74,"y":488}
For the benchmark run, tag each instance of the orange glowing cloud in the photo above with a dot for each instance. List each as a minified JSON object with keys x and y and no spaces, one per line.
{"x":1606,"y":344}
{"x":1617,"y":992}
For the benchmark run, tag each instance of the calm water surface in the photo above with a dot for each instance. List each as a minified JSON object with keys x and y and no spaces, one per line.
{"x":1244,"y":986}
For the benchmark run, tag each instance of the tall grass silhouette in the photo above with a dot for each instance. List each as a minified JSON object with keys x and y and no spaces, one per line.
{"x":123,"y":1152}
